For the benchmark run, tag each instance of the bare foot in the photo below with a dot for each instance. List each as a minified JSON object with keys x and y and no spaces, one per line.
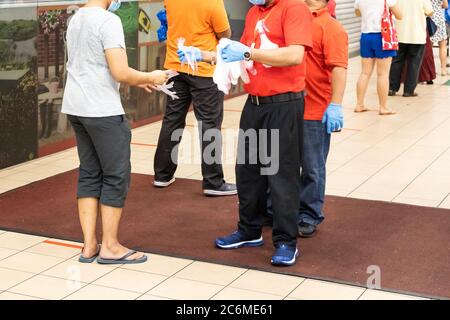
{"x":118,"y":251}
{"x":386,"y":112}
{"x":361,"y":109}
{"x":90,"y":250}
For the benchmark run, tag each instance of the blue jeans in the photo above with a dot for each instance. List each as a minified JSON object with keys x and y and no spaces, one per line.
{"x":316,"y":145}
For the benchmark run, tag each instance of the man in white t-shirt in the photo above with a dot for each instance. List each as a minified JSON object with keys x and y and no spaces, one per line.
{"x":412,"y":36}
{"x":97,"y":65}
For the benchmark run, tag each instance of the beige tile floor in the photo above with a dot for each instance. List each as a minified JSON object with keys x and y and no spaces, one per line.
{"x":402,"y":158}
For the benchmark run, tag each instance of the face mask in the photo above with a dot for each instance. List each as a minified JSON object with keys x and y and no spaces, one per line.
{"x":115,"y":5}
{"x":258,"y":2}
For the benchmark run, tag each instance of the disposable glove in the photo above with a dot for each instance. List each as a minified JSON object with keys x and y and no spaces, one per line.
{"x":234,"y":52}
{"x":188,"y":54}
{"x":334,"y":118}
{"x":162,"y":31}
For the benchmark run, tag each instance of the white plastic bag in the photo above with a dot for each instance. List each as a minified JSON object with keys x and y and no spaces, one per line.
{"x":228,"y":74}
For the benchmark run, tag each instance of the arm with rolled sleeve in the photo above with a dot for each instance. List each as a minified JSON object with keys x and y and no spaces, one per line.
{"x":335,"y":47}
{"x":113,"y":41}
{"x":219,"y":20}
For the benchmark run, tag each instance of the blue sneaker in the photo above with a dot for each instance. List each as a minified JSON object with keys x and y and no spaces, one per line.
{"x":285,"y":255}
{"x":238,"y":240}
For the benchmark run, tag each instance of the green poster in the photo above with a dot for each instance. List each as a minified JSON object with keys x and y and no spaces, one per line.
{"x":128,"y":13}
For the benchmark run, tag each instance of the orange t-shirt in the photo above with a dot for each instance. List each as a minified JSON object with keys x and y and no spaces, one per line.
{"x":330,"y":49}
{"x":198,"y":22}
{"x":288,"y":23}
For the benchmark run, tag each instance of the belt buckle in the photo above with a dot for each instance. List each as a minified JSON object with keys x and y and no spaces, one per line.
{"x":255,"y":100}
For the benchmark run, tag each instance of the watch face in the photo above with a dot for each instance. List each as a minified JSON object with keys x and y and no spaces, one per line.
{"x":247,"y":55}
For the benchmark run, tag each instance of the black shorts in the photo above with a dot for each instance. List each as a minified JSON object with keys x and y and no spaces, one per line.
{"x":104,"y":152}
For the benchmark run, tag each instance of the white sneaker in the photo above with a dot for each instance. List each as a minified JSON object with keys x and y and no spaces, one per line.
{"x":163,"y":184}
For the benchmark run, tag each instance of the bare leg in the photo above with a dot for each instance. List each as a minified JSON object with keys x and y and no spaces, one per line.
{"x":111,"y":248}
{"x":383,"y":67}
{"x":443,"y":57}
{"x":367,"y":66}
{"x":88,"y":212}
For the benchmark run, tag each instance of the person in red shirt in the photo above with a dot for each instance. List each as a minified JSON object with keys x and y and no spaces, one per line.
{"x":276,"y":37}
{"x":326,"y":79}
{"x":327,"y":65}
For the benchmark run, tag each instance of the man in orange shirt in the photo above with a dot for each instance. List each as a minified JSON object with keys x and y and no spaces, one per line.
{"x":202,"y":24}
{"x":325,"y":85}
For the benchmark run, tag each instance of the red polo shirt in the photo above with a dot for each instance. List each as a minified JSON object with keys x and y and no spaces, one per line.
{"x":330,"y":49}
{"x":289,"y":23}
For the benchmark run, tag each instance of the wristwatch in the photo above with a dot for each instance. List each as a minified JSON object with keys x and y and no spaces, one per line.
{"x":247,"y":56}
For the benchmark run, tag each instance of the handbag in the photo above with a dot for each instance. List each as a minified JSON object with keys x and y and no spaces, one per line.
{"x":431,"y":27}
{"x":388,"y":32}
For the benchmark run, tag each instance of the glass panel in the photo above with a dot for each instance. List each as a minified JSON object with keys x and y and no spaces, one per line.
{"x":18,"y":81}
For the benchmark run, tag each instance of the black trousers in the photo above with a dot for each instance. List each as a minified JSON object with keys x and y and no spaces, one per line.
{"x":104,"y":152}
{"x":208,"y":108}
{"x":413,"y":54}
{"x":284,"y":183}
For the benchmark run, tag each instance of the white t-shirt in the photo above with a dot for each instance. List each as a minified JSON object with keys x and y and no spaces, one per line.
{"x":372,"y":13}
{"x":412,"y":28}
{"x":91,"y":90}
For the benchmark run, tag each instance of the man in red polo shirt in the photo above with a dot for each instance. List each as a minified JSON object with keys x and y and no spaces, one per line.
{"x":276,"y":38}
{"x":325,"y":84}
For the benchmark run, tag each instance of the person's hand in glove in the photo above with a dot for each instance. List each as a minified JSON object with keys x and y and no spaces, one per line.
{"x":189,"y":54}
{"x":334,"y":118}
{"x":234,"y":52}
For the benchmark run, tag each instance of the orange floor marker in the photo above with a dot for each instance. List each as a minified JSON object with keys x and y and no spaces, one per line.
{"x":61,"y":244}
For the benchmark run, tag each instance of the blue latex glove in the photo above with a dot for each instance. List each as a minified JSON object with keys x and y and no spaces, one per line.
{"x":194,"y":53}
{"x":234,"y":52}
{"x":334,"y":118}
{"x":162,"y":31}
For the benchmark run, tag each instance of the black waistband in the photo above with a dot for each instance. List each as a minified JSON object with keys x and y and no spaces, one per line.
{"x":283,"y":97}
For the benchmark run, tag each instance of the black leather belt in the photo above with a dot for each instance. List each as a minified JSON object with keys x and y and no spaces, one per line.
{"x":283,"y":97}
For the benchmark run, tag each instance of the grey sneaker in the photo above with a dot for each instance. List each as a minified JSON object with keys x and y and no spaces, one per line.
{"x":306,"y":230}
{"x":227,"y":189}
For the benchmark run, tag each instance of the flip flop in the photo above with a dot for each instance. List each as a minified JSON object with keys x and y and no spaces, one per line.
{"x":82,"y":259}
{"x":389,"y":113}
{"x":123,"y":260}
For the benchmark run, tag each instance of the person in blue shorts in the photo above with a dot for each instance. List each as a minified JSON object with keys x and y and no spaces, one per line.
{"x":372,"y":53}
